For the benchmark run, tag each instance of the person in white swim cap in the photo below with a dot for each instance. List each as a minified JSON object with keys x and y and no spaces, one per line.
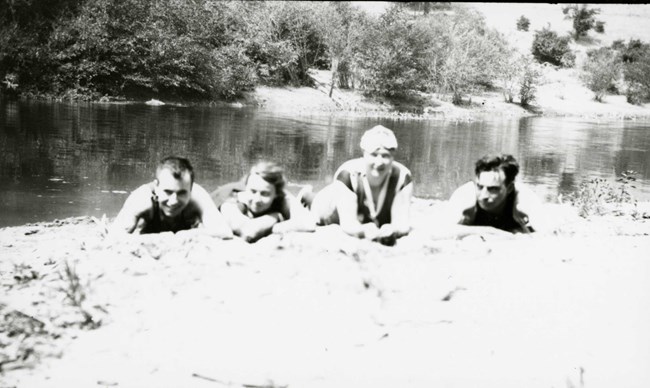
{"x":370,"y":196}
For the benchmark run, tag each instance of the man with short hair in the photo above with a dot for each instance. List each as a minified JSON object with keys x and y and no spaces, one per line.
{"x":494,"y":200}
{"x":370,"y":196}
{"x":172,"y":202}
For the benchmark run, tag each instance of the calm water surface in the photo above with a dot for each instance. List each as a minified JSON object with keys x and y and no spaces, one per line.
{"x":60,"y":159}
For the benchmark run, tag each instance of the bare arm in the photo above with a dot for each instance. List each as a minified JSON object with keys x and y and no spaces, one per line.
{"x":250,"y":229}
{"x":138,"y":202}
{"x":213,"y":221}
{"x":300,"y":221}
{"x":460,"y":209}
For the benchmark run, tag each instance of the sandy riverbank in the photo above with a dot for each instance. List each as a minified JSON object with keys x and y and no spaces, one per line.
{"x":324,"y":310}
{"x":560,"y":94}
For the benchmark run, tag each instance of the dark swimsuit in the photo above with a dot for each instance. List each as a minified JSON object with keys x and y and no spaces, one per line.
{"x":363,"y":212}
{"x":155,"y":225}
{"x":505,"y":221}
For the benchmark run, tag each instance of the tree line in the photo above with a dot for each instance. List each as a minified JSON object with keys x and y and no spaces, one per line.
{"x":213,"y":49}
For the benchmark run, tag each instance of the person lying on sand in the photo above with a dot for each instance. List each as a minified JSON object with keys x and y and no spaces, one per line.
{"x":370,"y":196}
{"x":172,"y":202}
{"x":260,"y":205}
{"x":494,"y":200}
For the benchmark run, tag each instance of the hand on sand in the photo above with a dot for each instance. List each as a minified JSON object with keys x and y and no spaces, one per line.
{"x":387,"y":235}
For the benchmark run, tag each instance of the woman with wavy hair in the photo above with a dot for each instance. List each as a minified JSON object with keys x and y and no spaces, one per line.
{"x":260,"y":204}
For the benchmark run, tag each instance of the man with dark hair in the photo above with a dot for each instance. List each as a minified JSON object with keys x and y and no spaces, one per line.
{"x":494,"y":200}
{"x":172,"y":202}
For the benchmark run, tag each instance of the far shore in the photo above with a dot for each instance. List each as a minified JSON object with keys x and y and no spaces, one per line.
{"x":560,"y":94}
{"x":556,"y":99}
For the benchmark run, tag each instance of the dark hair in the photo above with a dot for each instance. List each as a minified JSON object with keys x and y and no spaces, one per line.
{"x":177,"y":166}
{"x":504,"y":162}
{"x":273,"y":174}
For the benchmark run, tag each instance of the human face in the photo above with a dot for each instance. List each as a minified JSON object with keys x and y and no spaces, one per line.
{"x":378,"y":163}
{"x":491,"y":190}
{"x":259,"y":194}
{"x":173,"y":194}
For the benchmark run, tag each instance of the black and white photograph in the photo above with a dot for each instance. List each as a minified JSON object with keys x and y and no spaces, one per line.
{"x":324,"y":194}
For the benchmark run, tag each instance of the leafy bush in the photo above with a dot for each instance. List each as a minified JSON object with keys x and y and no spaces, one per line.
{"x":523,"y":23}
{"x":635,"y":56}
{"x":510,"y":74}
{"x":531,"y":75}
{"x":594,"y":195}
{"x":392,"y":58}
{"x":600,"y":71}
{"x":551,"y":48}
{"x":296,"y":39}
{"x":472,"y":55}
{"x":637,"y":78}
{"x":584,"y":19}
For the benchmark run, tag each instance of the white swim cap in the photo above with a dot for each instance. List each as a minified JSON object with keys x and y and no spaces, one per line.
{"x":378,"y":137}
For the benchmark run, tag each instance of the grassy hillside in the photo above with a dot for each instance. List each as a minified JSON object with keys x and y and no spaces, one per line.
{"x":561,"y":92}
{"x":622,"y":21}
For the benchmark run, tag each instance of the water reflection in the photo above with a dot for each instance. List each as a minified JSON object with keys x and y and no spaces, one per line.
{"x":59,"y":160}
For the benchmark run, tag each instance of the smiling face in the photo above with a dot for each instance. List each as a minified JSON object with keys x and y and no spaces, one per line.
{"x":259,"y":194}
{"x":378,"y":163}
{"x":491,"y":190}
{"x":173,"y":194}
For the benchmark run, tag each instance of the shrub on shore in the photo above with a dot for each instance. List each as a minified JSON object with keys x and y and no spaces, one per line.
{"x":600,"y":71}
{"x":594,"y":195}
{"x":635,"y":57}
{"x":549,"y":47}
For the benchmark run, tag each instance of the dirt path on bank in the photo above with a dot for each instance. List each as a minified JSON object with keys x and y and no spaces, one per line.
{"x":325,"y":310}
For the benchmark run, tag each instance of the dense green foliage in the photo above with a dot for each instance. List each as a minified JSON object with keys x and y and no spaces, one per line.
{"x":209,"y":49}
{"x":549,"y":47}
{"x":202,"y":48}
{"x":530,"y":78}
{"x":584,"y":19}
{"x":424,"y":6}
{"x":635,"y":56}
{"x":523,"y":23}
{"x":453,"y":53}
{"x":601,"y":70}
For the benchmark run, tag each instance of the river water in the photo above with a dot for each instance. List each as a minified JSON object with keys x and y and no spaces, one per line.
{"x":69,"y":159}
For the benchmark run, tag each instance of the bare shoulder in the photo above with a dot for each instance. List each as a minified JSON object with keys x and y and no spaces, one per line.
{"x":198,"y":189}
{"x":352,"y":165}
{"x":137,"y":209}
{"x":525,"y":193}
{"x":461,"y":207}
{"x":200,"y":200}
{"x":465,"y":191}
{"x":139,"y":201}
{"x":402,"y":168}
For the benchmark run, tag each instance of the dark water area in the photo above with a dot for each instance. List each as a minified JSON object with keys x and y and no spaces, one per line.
{"x":62,"y":159}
